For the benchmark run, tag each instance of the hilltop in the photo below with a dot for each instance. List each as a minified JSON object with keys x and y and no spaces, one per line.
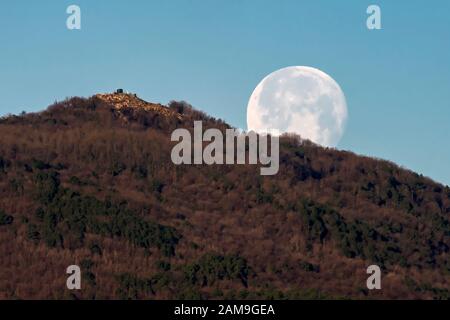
{"x":90,"y":182}
{"x":121,"y":101}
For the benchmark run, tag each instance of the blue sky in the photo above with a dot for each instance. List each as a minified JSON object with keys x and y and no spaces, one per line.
{"x":213,"y":54}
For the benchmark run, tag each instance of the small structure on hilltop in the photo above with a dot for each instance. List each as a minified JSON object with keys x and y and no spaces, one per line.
{"x":119,"y":91}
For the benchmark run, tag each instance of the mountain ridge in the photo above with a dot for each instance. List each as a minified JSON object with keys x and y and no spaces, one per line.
{"x":81,"y":184}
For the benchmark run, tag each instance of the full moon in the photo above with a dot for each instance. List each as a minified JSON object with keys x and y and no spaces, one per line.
{"x":300,"y":100}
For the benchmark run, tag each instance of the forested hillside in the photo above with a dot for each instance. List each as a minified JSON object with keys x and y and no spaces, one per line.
{"x":91,"y":182}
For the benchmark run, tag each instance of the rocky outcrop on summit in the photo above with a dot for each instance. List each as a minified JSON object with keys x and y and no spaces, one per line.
{"x":127,"y":100}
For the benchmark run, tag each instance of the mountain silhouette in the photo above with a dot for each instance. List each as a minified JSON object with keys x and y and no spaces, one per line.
{"x":90,"y":182}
